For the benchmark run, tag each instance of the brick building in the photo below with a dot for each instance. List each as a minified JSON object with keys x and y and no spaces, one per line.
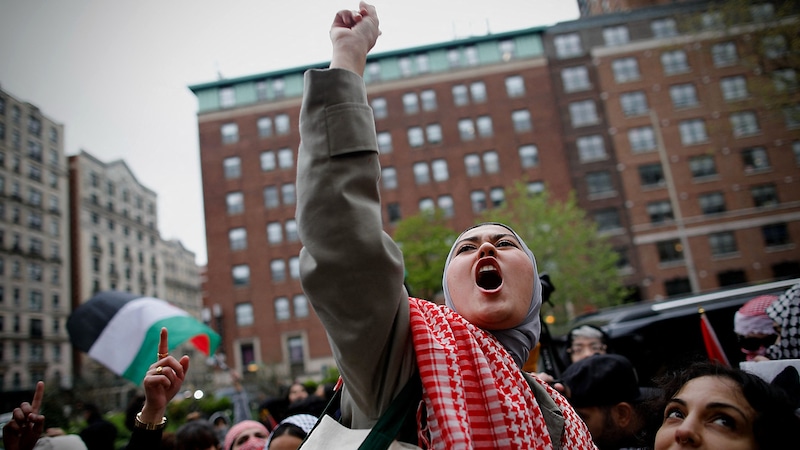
{"x":631,"y":111}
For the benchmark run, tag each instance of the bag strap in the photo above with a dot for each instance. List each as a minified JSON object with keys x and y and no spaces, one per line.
{"x":389,"y":425}
{"x":392,"y":421}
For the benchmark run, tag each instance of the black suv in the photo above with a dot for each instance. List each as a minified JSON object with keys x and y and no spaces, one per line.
{"x":657,"y":336}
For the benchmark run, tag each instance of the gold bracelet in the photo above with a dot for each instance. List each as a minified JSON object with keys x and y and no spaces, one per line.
{"x":149,"y":426}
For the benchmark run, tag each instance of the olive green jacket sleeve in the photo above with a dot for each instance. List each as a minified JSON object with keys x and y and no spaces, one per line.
{"x":350,"y":269}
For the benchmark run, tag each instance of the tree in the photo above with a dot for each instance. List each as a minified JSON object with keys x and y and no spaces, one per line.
{"x":581,"y":263}
{"x":768,"y":43}
{"x":425,"y":240}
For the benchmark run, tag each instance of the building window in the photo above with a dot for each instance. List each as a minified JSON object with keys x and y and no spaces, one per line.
{"x":784,"y":80}
{"x":282,"y":125}
{"x":507,"y":49}
{"x":625,"y":69}
{"x":670,"y":251}
{"x":762,"y":12}
{"x":232,"y":167}
{"x":591,"y":148}
{"x":300,"y":305}
{"x":617,"y":35}
{"x":722,"y":243}
{"x":791,"y":116}
{"x":380,"y":109}
{"x":642,"y":139}
{"x":634,"y":103}
{"x":724,"y":54}
{"x":282,"y":311}
{"x":434,"y":133}
{"x":237,"y":237}
{"x":515,"y":86}
{"x":677,"y":286}
{"x":583,"y":113}
{"x":755,"y":159}
{"x":693,"y":131}
{"x":664,"y":28}
{"x":712,"y":203}
{"x":521,"y":119}
{"x":445,"y":203}
{"x":607,"y":219}
{"x":410,"y":103}
{"x":683,"y":95}
{"x":230,"y":133}
{"x":472,"y":164}
{"x":599,"y":183}
{"x":244,"y":314}
{"x":478,"y":92}
{"x":426,"y":205}
{"x":744,"y":123}
{"x":528,"y":156}
{"x":428,"y":98}
{"x":288,"y":193}
{"x":439,"y":169}
{"x":264,"y":127}
{"x":279,"y":87}
{"x":702,"y":166}
{"x":460,"y":96}
{"x":497,"y":195}
{"x":393,"y":212}
{"x":415,"y":137}
{"x":466,"y":129}
{"x":389,"y":178}
{"x":651,"y":175}
{"x":674,"y":61}
{"x":241,"y":275}
{"x":575,"y":79}
{"x":294,"y":267}
{"x":568,"y":45}
{"x":268,"y":161}
{"x":405,"y":66}
{"x":733,"y":88}
{"x":491,"y":162}
{"x":796,"y":151}
{"x":385,"y":142}
{"x":453,"y":58}
{"x":660,"y":211}
{"x":271,"y":197}
{"x":775,"y":234}
{"x":277,"y":268}
{"x":291,"y":230}
{"x":774,"y":46}
{"x":235,"y":202}
{"x":285,"y":158}
{"x":274,"y":233}
{"x":227,"y":97}
{"x":764,"y":195}
{"x":421,"y":173}
{"x":485,"y":128}
{"x":478,"y":200}
{"x":296,"y":354}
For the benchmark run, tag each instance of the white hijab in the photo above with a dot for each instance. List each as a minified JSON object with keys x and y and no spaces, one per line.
{"x":522,"y":338}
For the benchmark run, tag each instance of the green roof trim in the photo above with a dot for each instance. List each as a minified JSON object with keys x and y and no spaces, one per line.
{"x":439,"y":48}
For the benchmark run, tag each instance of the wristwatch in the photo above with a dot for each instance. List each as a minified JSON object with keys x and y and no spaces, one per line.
{"x":148,"y":426}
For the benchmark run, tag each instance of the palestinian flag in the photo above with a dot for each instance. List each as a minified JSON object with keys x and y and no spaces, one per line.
{"x":714,"y":349}
{"x":121,"y":331}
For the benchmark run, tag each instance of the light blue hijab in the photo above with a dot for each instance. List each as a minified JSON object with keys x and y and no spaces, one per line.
{"x":522,"y":338}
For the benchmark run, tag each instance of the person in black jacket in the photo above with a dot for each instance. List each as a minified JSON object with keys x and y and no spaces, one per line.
{"x":99,"y":433}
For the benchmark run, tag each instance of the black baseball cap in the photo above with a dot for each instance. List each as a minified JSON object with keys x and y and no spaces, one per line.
{"x":602,"y":380}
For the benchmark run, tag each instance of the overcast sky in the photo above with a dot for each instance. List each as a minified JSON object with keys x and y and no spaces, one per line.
{"x":115,"y":73}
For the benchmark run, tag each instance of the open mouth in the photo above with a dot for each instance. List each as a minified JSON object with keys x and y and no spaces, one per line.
{"x":489,"y":277}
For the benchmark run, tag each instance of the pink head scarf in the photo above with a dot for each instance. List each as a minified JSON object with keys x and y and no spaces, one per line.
{"x":237,"y":429}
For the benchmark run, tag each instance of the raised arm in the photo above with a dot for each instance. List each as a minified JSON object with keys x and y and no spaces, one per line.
{"x":351,"y":271}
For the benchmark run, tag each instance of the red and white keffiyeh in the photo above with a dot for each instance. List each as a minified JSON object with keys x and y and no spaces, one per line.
{"x":475,"y":395}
